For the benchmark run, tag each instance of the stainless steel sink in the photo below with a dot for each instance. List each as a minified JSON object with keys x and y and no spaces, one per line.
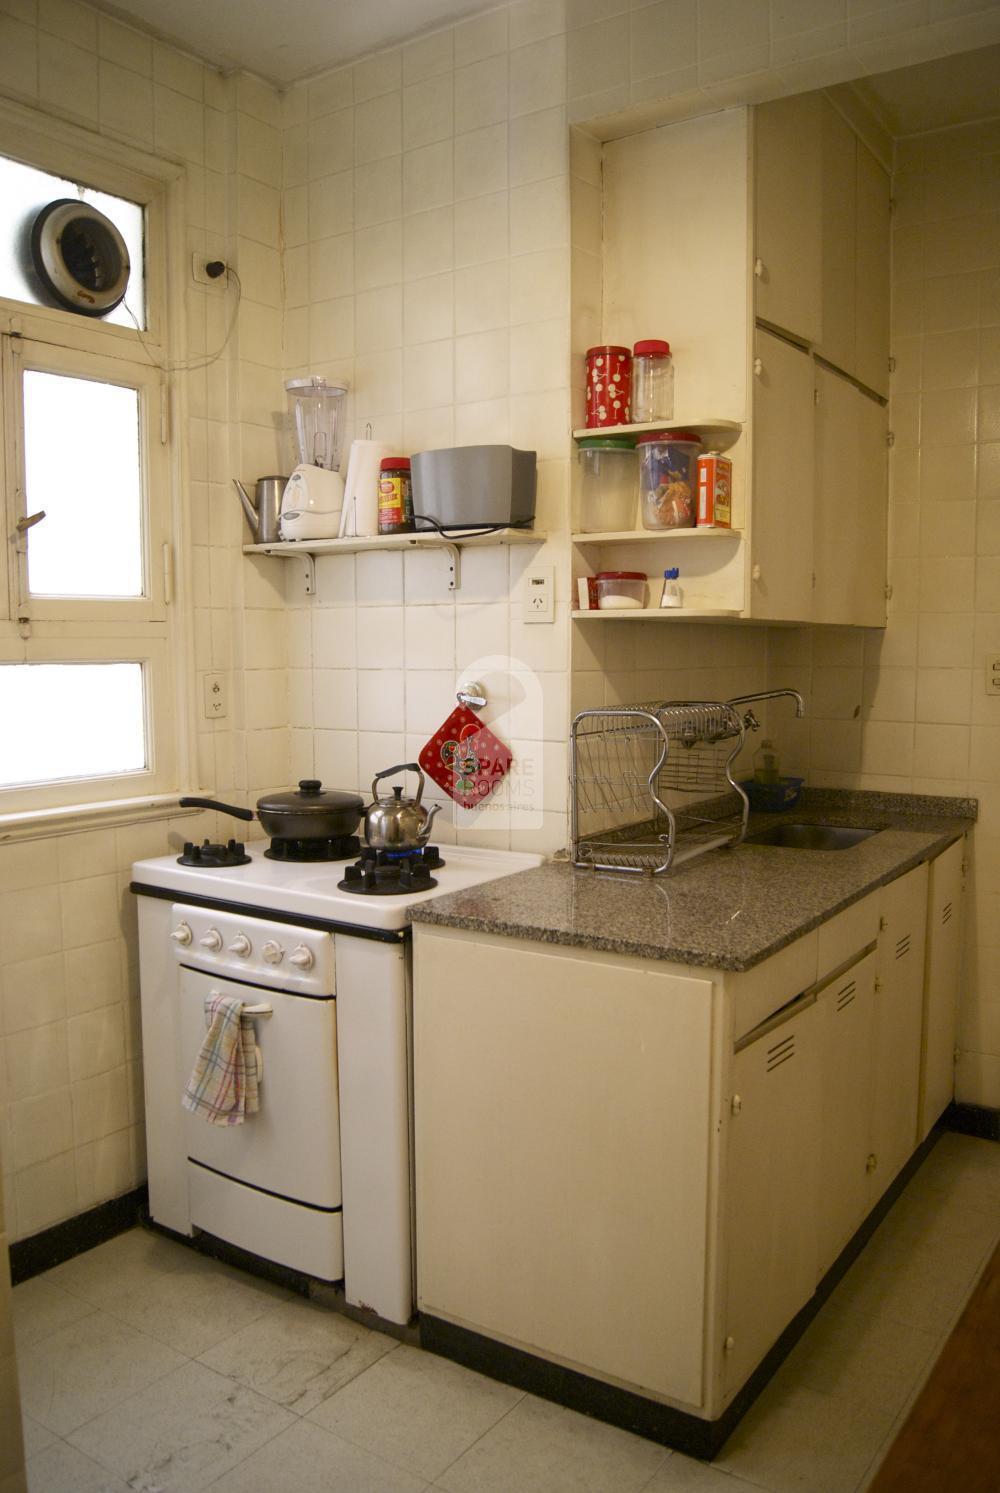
{"x":810,"y":836}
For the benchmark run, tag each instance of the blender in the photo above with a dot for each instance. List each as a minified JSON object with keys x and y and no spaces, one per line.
{"x":314,"y":493}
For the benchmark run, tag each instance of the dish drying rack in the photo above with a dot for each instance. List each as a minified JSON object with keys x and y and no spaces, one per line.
{"x":652,"y":784}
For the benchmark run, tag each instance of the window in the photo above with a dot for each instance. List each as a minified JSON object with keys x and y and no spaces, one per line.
{"x":87,"y":683}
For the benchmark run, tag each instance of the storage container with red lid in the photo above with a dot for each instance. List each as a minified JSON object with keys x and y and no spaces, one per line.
{"x":668,"y":479}
{"x":621,"y":590}
{"x":652,"y":381}
{"x":395,"y":496}
{"x":609,"y":385}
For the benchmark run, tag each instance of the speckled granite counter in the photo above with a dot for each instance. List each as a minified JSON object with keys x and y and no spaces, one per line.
{"x":728,"y":909}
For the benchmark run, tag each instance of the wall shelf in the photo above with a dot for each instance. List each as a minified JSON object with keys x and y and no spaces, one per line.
{"x":655,"y":536}
{"x":309,"y":550}
{"x":662,"y":614}
{"x":720,"y":429}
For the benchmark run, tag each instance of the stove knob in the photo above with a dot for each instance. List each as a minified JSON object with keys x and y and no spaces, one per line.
{"x":301,"y":957}
{"x":273,"y":952}
{"x":182,"y":934}
{"x":212,"y":940}
{"x":241,"y":945}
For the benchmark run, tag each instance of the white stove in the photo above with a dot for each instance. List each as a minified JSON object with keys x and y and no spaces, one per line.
{"x":320,"y":1178}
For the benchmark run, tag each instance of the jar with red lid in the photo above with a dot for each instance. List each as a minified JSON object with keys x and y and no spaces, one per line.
{"x":652,"y":381}
{"x":395,"y":496}
{"x":668,"y":479}
{"x":621,"y":590}
{"x":609,"y":385}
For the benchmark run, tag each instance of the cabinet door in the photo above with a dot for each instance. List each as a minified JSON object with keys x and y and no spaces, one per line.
{"x":871,"y":361}
{"x":770,"y":1190}
{"x":845,"y":1023}
{"x":851,"y":500}
{"x":781,"y":501}
{"x":899,"y":993}
{"x":787,"y":237}
{"x":941,"y":984}
{"x":839,"y":196}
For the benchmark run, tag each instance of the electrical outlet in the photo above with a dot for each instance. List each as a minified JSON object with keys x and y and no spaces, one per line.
{"x":216,"y":696}
{"x":538,"y":587}
{"x":993,"y":674}
{"x":199,"y":271}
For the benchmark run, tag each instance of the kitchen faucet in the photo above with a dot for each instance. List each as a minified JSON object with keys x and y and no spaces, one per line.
{"x":750,"y":721}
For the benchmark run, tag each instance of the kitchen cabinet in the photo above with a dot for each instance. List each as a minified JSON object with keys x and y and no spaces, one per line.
{"x":788,"y":223}
{"x":941,"y":986}
{"x":849,"y":515}
{"x":871,"y":274}
{"x":639,"y":1170}
{"x":838,"y":218}
{"x":781,"y":515}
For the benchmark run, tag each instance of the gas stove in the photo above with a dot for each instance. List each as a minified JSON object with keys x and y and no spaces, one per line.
{"x":388,"y":873}
{"x":314,"y":889}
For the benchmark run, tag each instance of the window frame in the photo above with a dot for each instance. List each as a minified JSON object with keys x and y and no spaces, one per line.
{"x":155,"y":630}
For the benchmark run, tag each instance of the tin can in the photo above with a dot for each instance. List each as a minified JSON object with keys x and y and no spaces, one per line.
{"x":609,"y":385}
{"x":715,"y":491}
{"x":395,"y":496}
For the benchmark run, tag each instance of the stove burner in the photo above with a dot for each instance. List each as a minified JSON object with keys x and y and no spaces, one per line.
{"x":390,"y":873}
{"x":335,"y":848}
{"x":208,"y":854}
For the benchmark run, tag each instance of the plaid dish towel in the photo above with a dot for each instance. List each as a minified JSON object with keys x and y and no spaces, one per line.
{"x":223,"y":1082}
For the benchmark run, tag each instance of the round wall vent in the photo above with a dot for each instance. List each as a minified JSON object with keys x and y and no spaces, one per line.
{"x":80,"y":257}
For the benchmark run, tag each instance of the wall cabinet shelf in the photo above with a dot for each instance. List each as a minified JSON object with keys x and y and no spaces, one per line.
{"x":640,"y":614}
{"x":719,"y":432}
{"x":653,"y":536}
{"x":309,"y":549}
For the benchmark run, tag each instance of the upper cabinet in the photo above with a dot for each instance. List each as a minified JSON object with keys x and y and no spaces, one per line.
{"x":788,"y":225}
{"x":871,"y":275}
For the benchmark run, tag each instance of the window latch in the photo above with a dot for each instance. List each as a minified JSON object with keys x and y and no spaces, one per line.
{"x":24,"y":524}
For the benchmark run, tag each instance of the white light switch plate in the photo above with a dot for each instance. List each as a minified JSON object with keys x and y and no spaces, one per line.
{"x":993,"y":674}
{"x":216,"y":696}
{"x":539,"y":585}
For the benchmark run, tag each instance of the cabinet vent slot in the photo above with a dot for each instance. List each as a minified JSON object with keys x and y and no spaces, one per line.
{"x":780,"y":1053}
{"x":846,"y":996}
{"x":946,"y":912}
{"x":903,"y":946}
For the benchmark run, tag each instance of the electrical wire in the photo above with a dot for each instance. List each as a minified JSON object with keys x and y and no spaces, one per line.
{"x":198,"y":363}
{"x":451,"y":532}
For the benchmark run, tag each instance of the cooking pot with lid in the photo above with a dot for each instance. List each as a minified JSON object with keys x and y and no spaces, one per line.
{"x":309,"y":812}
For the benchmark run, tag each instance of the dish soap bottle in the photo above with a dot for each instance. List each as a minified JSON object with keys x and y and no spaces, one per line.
{"x":766,"y":767}
{"x":671,"y":591}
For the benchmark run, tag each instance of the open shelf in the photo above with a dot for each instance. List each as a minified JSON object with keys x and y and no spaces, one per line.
{"x":707,"y":424}
{"x":663,"y":614}
{"x":355,"y":545}
{"x":645,"y":536}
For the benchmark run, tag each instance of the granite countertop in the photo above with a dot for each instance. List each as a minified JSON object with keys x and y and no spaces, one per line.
{"x":728,"y":909}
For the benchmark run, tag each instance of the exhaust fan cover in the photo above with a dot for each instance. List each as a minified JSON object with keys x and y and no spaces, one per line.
{"x":80,"y":257}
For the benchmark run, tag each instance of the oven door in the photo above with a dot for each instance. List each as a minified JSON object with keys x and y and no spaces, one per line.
{"x":291,"y":1147}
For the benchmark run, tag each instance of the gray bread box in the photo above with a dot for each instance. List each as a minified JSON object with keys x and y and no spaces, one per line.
{"x":471,"y":487}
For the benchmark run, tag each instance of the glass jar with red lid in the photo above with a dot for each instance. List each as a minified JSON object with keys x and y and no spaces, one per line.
{"x":652,"y":381}
{"x":609,"y":385}
{"x":395,"y":496}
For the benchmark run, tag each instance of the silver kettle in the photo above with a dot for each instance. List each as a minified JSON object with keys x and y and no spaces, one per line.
{"x":398,"y":823}
{"x":263,"y":509}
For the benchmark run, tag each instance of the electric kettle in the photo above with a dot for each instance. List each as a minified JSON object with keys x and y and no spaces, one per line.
{"x":398,"y":823}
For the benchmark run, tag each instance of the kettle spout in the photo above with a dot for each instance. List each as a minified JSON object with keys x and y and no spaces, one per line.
{"x":425,"y":832}
{"x":252,"y":516}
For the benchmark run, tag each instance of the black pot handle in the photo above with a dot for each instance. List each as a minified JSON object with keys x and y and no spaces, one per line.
{"x":213,"y":803}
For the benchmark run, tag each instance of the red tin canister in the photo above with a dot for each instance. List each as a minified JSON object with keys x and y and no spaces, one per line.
{"x":715,"y":491}
{"x":609,"y":385}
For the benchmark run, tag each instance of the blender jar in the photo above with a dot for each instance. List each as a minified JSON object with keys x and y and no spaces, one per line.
{"x":316,"y":409}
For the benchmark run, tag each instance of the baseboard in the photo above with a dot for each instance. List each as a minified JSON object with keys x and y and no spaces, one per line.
{"x":625,"y":1408}
{"x":54,"y":1246}
{"x":973,"y":1119}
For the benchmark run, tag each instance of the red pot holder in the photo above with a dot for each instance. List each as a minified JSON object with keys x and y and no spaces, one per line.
{"x":465,"y":759}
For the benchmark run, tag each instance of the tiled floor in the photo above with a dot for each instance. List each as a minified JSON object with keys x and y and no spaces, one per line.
{"x":145,"y":1367}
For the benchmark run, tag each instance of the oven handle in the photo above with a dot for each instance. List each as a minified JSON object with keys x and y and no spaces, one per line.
{"x":258,"y":1011}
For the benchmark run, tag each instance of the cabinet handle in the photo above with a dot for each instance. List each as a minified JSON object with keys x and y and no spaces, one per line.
{"x":758,"y":367}
{"x":758,"y":269}
{"x":736,"y":1104}
{"x":871,"y":1163}
{"x":883,"y":924}
{"x":755,"y":573}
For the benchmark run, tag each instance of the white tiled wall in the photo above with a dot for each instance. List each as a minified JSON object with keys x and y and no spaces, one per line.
{"x":906,"y":709}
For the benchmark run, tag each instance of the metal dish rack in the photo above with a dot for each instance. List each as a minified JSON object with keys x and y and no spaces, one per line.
{"x":652,"y":785}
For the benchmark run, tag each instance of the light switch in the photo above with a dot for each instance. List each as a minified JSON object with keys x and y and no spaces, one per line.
{"x":993,"y":674}
{"x":538,"y":587}
{"x":216,"y":702}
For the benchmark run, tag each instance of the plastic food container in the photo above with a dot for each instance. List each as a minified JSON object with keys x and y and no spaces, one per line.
{"x":621,"y":590}
{"x":609,"y":385}
{"x":608,"y":483}
{"x":668,"y":479}
{"x":652,"y":381}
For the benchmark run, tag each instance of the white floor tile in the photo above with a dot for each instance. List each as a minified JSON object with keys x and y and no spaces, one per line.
{"x":415,"y":1410}
{"x":298,"y":1354}
{"x":183,"y":1432}
{"x":134,"y":1259}
{"x":36,"y":1436}
{"x":869,"y":1360}
{"x":61,"y":1468}
{"x":307,"y":1459}
{"x":72,"y":1375}
{"x":542,"y":1448}
{"x":40,"y":1307}
{"x":684,"y":1475}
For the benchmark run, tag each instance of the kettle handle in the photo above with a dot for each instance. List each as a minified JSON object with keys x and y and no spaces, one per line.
{"x":390,"y":772}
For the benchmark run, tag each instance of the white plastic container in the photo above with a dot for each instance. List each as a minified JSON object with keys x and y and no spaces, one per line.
{"x":609,"y":484}
{"x":621,"y":590}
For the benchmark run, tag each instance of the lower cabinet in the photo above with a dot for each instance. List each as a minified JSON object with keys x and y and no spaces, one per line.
{"x":845,"y":1010}
{"x":944,"y":947}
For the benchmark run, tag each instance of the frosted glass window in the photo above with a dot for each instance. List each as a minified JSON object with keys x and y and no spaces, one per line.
{"x":82,"y":467}
{"x":24,"y":191}
{"x":70,"y":721}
